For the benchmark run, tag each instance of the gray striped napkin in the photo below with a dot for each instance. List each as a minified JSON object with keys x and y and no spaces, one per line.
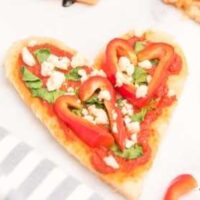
{"x":25,"y":175}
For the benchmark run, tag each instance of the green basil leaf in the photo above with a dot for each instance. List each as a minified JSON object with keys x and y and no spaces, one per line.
{"x":94,"y":100}
{"x":131,"y":153}
{"x":27,"y":75}
{"x":139,"y":46}
{"x":50,"y":97}
{"x":42,"y":54}
{"x":139,"y":117}
{"x":73,"y":75}
{"x":34,"y":84}
{"x":139,"y":76}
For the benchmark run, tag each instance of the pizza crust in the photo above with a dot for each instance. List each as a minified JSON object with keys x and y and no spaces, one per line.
{"x":130,"y":185}
{"x":190,"y":7}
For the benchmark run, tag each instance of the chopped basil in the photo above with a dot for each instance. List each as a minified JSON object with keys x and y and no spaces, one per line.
{"x":49,"y":96}
{"x":94,"y":100}
{"x":77,"y":112}
{"x":35,"y":85}
{"x":139,"y":76}
{"x":73,"y":75}
{"x":42,"y":54}
{"x":131,"y":153}
{"x":139,"y":46}
{"x":139,"y":117}
{"x":28,"y":76}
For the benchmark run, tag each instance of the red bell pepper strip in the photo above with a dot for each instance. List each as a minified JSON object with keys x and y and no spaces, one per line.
{"x":91,"y":134}
{"x":179,"y":186}
{"x":161,"y":51}
{"x":89,"y":87}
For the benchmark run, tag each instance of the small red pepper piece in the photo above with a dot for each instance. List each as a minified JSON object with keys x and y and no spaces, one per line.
{"x":89,"y":87}
{"x":161,"y":51}
{"x":179,"y":186}
{"x":92,"y":135}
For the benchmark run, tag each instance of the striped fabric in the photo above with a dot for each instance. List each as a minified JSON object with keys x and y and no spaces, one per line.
{"x":24,"y":175}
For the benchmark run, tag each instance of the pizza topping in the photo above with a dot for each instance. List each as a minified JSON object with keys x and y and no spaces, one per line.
{"x":139,"y":46}
{"x":55,"y":81}
{"x":126,"y":66}
{"x":133,"y":127}
{"x":27,"y":57}
{"x":42,"y":54}
{"x":47,"y":68}
{"x":141,"y":91}
{"x":104,"y":95}
{"x":78,"y":60}
{"x":96,"y":72}
{"x":83,"y":74}
{"x":146,"y":64}
{"x":59,"y":62}
{"x":111,"y":161}
{"x":129,"y":143}
{"x":122,"y":79}
{"x":139,"y":76}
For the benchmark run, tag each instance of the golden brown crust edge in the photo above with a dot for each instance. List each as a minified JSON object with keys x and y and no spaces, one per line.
{"x":129,"y":186}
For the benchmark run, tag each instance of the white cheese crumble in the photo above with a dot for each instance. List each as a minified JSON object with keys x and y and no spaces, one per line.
{"x":85,"y":111}
{"x":171,"y":93}
{"x":127,"y":119}
{"x":70,"y":91}
{"x":97,"y":72}
{"x":89,"y":118}
{"x":134,"y":137}
{"x":146,"y":64}
{"x":127,"y":108}
{"x":83,"y":75}
{"x":114,"y":128}
{"x":104,"y":95}
{"x":133,"y":127}
{"x":125,"y":65}
{"x":141,"y":91}
{"x":78,"y":60}
{"x":129,"y":143}
{"x":122,"y":79}
{"x":47,"y":68}
{"x":55,"y":81}
{"x":111,"y":161}
{"x":100,"y":114}
{"x":27,"y":57}
{"x":59,"y":62}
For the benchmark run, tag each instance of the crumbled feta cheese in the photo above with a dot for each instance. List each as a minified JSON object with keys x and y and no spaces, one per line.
{"x":97,"y":72}
{"x":124,"y":110}
{"x":149,"y":78}
{"x":59,"y":62}
{"x":171,"y":93}
{"x":85,"y":111}
{"x":27,"y":57}
{"x":32,"y":43}
{"x":121,"y":79}
{"x":127,"y":119}
{"x":55,"y":81}
{"x":83,"y":75}
{"x":90,"y":118}
{"x":114,"y":128}
{"x":125,"y":65}
{"x":146,"y":64}
{"x":129,"y":143}
{"x":141,"y":91}
{"x":133,"y":127}
{"x":100,"y":114}
{"x":47,"y":68}
{"x":104,"y":95}
{"x":111,"y":161}
{"x":114,"y":115}
{"x":127,"y":108}
{"x":78,"y":60}
{"x":134,"y":137}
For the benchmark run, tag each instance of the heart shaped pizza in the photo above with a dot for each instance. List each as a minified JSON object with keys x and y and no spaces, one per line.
{"x":111,"y":115}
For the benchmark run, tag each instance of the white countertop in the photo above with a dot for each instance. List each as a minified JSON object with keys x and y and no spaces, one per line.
{"x":87,"y":29}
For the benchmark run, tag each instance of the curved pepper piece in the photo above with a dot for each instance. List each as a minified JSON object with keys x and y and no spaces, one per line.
{"x":92,"y":135}
{"x":179,"y":186}
{"x":89,"y":87}
{"x":161,"y":51}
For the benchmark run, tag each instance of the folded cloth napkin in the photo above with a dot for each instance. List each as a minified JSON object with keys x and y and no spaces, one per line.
{"x":25,"y":175}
